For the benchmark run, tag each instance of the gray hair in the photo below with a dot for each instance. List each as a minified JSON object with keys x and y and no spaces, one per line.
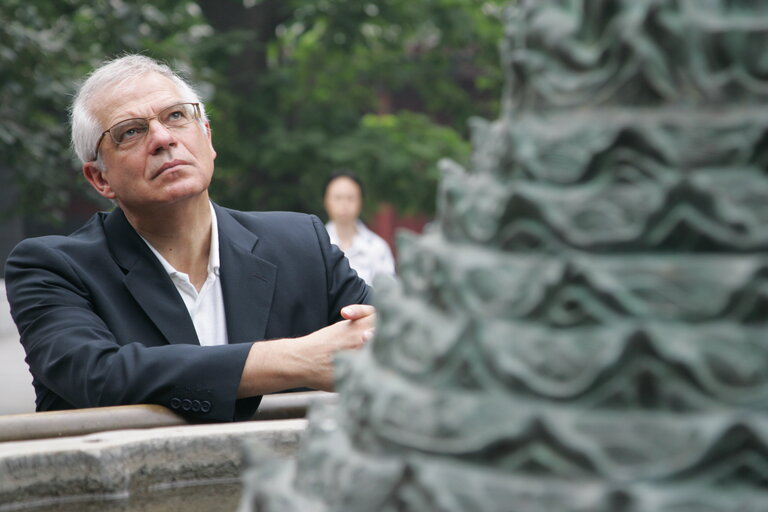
{"x":86,"y":129}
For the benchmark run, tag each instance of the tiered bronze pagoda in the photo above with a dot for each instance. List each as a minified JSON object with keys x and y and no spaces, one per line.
{"x":584,"y":327}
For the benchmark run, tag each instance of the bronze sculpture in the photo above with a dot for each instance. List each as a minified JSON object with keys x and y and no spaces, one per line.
{"x":583,"y":328}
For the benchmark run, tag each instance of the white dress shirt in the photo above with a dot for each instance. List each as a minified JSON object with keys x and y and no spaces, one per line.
{"x":206,"y":308}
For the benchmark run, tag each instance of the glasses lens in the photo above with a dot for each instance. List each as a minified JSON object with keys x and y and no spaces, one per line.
{"x":128,"y":131}
{"x":178,"y":115}
{"x":132,"y":130}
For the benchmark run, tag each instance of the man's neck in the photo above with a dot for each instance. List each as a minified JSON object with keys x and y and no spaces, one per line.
{"x":181,"y":232}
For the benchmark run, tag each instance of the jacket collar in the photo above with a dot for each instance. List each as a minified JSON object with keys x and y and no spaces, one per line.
{"x":147,"y":281}
{"x":247,"y":281}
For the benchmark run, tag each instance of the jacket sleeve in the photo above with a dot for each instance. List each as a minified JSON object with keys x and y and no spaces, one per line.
{"x":344,"y":285}
{"x":77,"y":361}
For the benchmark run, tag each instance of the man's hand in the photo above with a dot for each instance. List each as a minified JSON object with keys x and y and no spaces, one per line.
{"x":359,"y":312}
{"x":307,"y":361}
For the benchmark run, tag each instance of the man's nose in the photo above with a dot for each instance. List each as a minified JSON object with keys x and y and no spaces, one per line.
{"x":159,"y":136}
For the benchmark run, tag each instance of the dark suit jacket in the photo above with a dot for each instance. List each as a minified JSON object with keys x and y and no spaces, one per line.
{"x":102,"y":323}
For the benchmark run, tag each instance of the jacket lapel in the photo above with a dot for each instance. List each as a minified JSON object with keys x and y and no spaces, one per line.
{"x":148,"y":282}
{"x":247,"y":281}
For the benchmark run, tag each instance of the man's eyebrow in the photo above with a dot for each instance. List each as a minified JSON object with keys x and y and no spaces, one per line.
{"x":169,"y":105}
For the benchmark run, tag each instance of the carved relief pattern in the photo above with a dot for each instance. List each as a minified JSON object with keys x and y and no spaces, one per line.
{"x":584,"y":326}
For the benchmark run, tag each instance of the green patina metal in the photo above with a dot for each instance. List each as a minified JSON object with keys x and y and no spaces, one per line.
{"x":583,"y":328}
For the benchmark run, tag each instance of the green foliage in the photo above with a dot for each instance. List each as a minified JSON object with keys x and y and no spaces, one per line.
{"x":331,"y":66}
{"x":396,"y":157}
{"x":45,"y":49}
{"x":294,"y":88}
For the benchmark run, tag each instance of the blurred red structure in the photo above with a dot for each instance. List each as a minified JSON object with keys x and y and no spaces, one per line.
{"x":386,"y":222}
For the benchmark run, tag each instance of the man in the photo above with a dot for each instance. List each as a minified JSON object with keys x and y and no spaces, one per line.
{"x":161,"y":300}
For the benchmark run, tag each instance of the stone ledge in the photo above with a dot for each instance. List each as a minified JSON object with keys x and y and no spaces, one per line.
{"x":77,"y":422}
{"x":87,"y":472}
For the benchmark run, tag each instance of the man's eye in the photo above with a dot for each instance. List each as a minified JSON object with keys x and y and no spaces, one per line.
{"x":175,"y":116}
{"x":129,"y":133}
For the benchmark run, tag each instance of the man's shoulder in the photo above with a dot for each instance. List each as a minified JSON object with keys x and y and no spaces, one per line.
{"x":266,"y":222}
{"x":90,"y":233}
{"x":267,"y":216}
{"x":85,"y":249}
{"x":280,"y":232}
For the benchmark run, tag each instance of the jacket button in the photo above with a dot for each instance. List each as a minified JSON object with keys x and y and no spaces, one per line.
{"x":186,"y":404}
{"x":175,"y":403}
{"x":205,"y":406}
{"x":196,"y":405}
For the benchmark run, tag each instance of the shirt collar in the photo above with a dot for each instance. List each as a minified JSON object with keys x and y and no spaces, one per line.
{"x":213,"y":258}
{"x":213,"y":255}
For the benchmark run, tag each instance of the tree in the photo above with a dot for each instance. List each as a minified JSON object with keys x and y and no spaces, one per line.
{"x":328,"y":84}
{"x":295,"y":89}
{"x":45,"y":48}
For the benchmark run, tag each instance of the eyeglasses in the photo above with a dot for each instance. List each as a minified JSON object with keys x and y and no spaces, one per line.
{"x":133,"y":130}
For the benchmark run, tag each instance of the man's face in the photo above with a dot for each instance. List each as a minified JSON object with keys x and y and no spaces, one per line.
{"x":166,"y":166}
{"x":343,"y":200}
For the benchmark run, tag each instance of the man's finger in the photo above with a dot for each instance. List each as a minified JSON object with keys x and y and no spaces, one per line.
{"x":356,"y":311}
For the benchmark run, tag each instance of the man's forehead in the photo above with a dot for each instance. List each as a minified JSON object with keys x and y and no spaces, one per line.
{"x":136,"y":96}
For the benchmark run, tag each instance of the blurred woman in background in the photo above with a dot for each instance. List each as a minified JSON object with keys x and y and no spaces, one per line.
{"x":366,"y":251}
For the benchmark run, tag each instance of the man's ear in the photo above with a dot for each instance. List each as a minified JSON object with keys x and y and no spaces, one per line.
{"x":96,"y":177}
{"x":207,"y":129}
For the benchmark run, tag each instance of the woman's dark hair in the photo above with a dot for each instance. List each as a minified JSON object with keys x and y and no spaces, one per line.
{"x":343,"y":173}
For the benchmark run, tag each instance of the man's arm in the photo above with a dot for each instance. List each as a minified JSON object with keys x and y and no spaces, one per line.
{"x":306,"y":361}
{"x":78,"y":360}
{"x":89,"y":344}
